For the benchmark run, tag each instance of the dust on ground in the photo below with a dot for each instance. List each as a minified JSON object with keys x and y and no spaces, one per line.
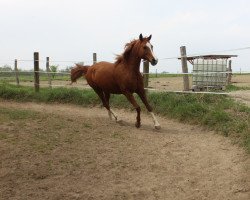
{"x":71,"y":152}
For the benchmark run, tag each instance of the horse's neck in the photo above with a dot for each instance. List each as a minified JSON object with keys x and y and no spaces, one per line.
{"x":134,"y":63}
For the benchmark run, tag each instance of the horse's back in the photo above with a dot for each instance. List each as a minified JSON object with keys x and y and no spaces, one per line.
{"x":101,"y":76}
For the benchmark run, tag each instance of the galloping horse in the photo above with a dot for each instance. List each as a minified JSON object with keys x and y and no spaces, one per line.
{"x":121,"y":77}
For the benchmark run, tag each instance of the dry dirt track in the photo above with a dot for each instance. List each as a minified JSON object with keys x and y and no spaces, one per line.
{"x":118,"y":161}
{"x":242,"y":96}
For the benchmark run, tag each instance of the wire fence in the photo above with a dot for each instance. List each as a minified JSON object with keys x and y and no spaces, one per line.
{"x":164,"y":73}
{"x":167,"y":83}
{"x":54,"y":77}
{"x":164,"y":58}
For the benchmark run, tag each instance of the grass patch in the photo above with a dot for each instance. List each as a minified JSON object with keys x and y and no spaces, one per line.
{"x":61,"y":95}
{"x":7,"y":114}
{"x":231,"y":88}
{"x":216,"y":112}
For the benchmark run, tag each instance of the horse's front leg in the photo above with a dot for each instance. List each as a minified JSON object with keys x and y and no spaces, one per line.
{"x":141,"y":93}
{"x":131,"y":99}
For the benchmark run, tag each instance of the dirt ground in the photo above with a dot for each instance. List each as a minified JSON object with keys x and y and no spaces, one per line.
{"x":71,"y":152}
{"x":241,"y":80}
{"x":241,"y":95}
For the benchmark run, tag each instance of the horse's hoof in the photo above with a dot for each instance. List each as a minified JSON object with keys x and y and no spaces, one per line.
{"x":120,"y":122}
{"x":158,"y":127}
{"x":137,"y":125}
{"x":117,"y":119}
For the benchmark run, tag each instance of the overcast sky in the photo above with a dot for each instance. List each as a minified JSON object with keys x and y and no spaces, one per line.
{"x":74,"y":29}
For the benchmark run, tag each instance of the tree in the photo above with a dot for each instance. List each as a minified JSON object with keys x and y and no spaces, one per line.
{"x":6,"y":68}
{"x":68,"y":68}
{"x":53,"y":69}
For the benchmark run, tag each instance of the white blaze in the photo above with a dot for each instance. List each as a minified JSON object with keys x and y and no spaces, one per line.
{"x":150,"y":47}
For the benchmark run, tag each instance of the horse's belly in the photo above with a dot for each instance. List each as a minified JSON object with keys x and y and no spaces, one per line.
{"x":109,"y":87}
{"x":100,"y":80}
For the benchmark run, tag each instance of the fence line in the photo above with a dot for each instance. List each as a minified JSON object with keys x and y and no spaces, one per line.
{"x":146,"y":88}
{"x":42,"y":72}
{"x":204,"y":53}
{"x":166,"y":58}
{"x":66,"y":61}
{"x":188,"y":92}
{"x":183,"y":57}
{"x":181,"y":73}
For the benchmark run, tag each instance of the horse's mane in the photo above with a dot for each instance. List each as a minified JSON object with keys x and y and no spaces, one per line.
{"x":125,"y":55}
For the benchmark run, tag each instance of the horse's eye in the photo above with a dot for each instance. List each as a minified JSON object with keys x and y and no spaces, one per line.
{"x":152,"y":47}
{"x":145,"y":47}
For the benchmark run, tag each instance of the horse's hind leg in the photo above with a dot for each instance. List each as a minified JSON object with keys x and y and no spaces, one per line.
{"x":143,"y":97}
{"x":102,"y":97}
{"x":110,"y":111}
{"x":105,"y":101}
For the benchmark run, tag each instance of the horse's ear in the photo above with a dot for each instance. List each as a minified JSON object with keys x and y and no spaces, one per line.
{"x":149,"y":38}
{"x":141,"y":37}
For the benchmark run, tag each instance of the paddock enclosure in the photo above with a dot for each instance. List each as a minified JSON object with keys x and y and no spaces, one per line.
{"x":207,"y":70}
{"x":55,"y":151}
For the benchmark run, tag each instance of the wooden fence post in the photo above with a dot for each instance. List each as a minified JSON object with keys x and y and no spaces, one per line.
{"x":16,"y":72}
{"x":36,"y":71}
{"x":229,"y":77}
{"x":94,"y":58}
{"x":184,"y":68}
{"x":145,"y":73}
{"x":48,"y":71}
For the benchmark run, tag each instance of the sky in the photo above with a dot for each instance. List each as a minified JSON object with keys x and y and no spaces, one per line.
{"x":71,"y":30}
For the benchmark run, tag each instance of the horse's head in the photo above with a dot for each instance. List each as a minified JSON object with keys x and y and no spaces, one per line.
{"x":140,"y":48}
{"x":145,"y":50}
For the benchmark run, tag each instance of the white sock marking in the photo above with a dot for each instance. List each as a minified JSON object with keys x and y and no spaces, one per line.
{"x":114,"y":114}
{"x":156,"y":123}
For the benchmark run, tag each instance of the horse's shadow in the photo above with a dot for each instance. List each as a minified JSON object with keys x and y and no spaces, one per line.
{"x":143,"y":127}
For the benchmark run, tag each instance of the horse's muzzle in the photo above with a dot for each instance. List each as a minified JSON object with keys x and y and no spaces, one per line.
{"x":154,"y":62}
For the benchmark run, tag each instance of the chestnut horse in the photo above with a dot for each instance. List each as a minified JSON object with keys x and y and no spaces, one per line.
{"x":121,"y":77}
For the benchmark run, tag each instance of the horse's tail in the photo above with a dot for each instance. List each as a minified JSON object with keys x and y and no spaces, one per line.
{"x":78,"y":72}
